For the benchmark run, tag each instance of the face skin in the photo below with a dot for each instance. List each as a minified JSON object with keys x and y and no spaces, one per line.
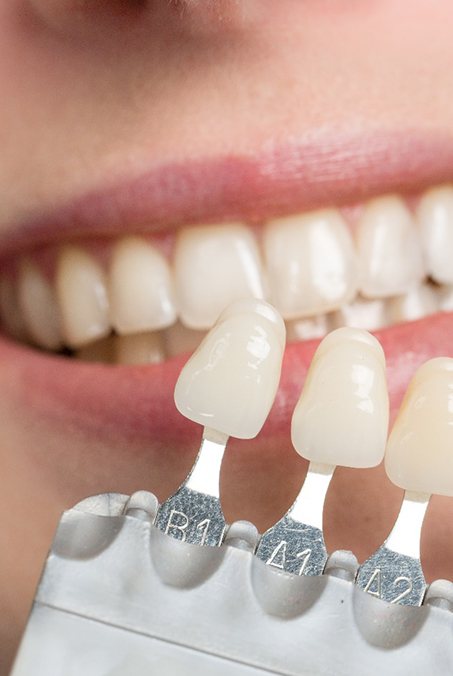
{"x":93,"y":98}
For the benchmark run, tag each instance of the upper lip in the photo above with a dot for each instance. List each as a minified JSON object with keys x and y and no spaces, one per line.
{"x":317,"y":171}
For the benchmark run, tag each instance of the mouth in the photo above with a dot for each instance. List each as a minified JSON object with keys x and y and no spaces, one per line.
{"x":103,"y":300}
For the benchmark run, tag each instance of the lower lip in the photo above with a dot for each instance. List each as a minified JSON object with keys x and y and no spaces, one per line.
{"x":136,"y":403}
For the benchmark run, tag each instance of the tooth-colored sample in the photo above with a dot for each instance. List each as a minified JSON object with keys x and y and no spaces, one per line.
{"x":141,"y":348}
{"x":178,"y":339}
{"x":307,"y":328}
{"x":419,"y":302}
{"x":140,"y":287}
{"x":101,"y":351}
{"x":215,"y":265}
{"x":230,"y":382}
{"x":311,"y":263}
{"x":361,"y":314}
{"x":10,"y":315}
{"x":82,"y":297}
{"x":419,"y":455}
{"x":38,"y":305}
{"x":435,"y":219}
{"x":342,"y":415}
{"x":390,"y":256}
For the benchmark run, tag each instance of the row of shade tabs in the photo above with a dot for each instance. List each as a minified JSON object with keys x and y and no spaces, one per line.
{"x":341,"y":419}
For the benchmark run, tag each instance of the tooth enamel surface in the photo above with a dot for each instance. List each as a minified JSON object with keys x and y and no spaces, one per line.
{"x":362,"y":314}
{"x":141,"y":288}
{"x":311,"y":263}
{"x":214,"y":266}
{"x":390,"y":257}
{"x":435,"y":219}
{"x":38,"y":306}
{"x":230,"y":382}
{"x":141,"y":348}
{"x":419,"y":302}
{"x":10,"y":314}
{"x":419,"y":455}
{"x":308,"y":328}
{"x":342,"y":415}
{"x":82,"y":297}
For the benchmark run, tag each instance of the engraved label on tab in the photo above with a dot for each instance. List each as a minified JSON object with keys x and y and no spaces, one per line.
{"x":305,"y":555}
{"x":278,"y":556}
{"x":405,"y":591}
{"x":203,"y":527}
{"x":177,"y":523}
{"x":373,"y":586}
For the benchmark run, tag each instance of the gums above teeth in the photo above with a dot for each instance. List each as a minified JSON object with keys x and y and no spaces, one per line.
{"x":367,"y":268}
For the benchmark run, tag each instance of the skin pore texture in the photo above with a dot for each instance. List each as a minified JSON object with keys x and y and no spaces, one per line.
{"x":134,"y":117}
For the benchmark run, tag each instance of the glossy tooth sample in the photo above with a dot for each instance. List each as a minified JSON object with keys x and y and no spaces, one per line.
{"x":311,"y":263}
{"x":308,"y":328}
{"x":390,"y":256}
{"x":342,"y":415}
{"x":82,"y":297}
{"x":11,"y":316}
{"x":435,"y":219}
{"x":419,"y":302}
{"x":141,"y":348}
{"x":101,"y":351}
{"x":362,"y":314}
{"x":214,"y":266}
{"x":140,"y":287}
{"x":230,"y":382}
{"x":419,"y":455}
{"x":179,"y":339}
{"x":38,"y":305}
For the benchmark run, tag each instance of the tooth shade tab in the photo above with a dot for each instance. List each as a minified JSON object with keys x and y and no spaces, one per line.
{"x":389,"y":249}
{"x":82,"y":297}
{"x":230,"y":382}
{"x":342,"y":415}
{"x":419,"y":455}
{"x":311,"y":263}
{"x":38,"y":306}
{"x":435,"y":221}
{"x":141,"y":288}
{"x":215,"y":265}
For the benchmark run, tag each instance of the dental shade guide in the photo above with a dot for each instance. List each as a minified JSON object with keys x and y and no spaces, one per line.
{"x":228,"y":385}
{"x":120,"y":597}
{"x":418,"y":458}
{"x":355,"y":413}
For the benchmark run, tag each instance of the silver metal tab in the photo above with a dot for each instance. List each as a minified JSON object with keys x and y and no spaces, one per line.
{"x":394,"y":572}
{"x":295,"y":543}
{"x":193,"y":514}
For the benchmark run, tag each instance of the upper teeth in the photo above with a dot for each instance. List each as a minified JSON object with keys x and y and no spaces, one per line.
{"x":310,"y":265}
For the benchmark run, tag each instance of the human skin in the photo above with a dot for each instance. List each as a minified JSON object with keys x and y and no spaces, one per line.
{"x":93,"y":98}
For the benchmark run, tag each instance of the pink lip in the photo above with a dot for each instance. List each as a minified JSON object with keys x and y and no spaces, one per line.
{"x":315,"y":172}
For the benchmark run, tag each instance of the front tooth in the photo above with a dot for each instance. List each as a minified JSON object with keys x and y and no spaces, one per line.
{"x":38,"y":304}
{"x":342,"y":415}
{"x":419,"y":454}
{"x":390,"y":257}
{"x":308,"y":328}
{"x":230,"y":382}
{"x":141,"y":348}
{"x":311,"y":263}
{"x":419,"y":302}
{"x":362,"y":314}
{"x":214,"y":266}
{"x":82,"y":296}
{"x":141,"y":288}
{"x":435,"y":218}
{"x":10,"y":314}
